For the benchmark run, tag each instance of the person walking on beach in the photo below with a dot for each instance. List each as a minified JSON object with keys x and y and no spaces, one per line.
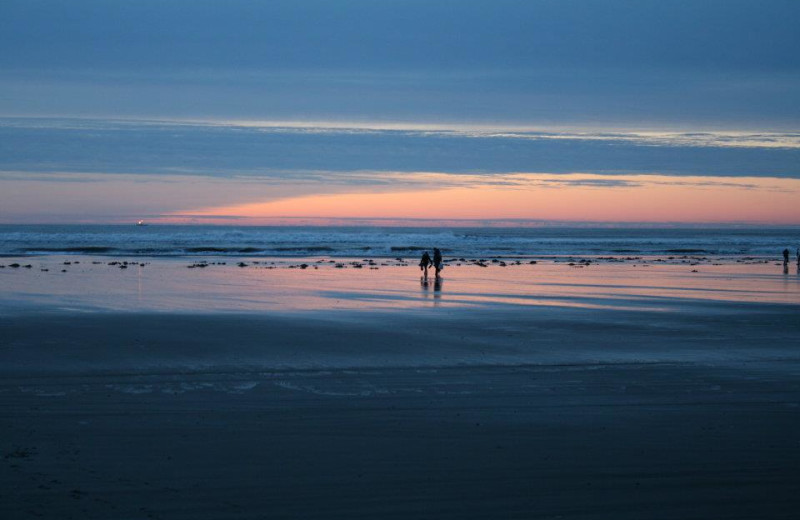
{"x":785,"y":256}
{"x":798,"y":257}
{"x":437,"y":260}
{"x":425,"y":262}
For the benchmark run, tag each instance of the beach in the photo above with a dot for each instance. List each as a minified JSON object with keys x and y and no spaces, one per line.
{"x":216,"y":219}
{"x":625,"y":389}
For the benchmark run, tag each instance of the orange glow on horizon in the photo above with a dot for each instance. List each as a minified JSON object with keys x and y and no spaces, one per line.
{"x":574,"y":197}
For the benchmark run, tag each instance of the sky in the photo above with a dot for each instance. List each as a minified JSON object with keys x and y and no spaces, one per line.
{"x":240,"y":111}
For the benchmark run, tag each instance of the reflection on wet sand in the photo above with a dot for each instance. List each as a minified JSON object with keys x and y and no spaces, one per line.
{"x":426,"y":285}
{"x":278,"y":285}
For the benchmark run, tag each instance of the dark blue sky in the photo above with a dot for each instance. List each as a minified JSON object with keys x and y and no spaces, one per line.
{"x":643,"y":64}
{"x":401,"y":34}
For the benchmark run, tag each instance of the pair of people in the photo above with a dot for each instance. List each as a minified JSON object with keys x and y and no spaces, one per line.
{"x":426,"y":262}
{"x":786,"y":256}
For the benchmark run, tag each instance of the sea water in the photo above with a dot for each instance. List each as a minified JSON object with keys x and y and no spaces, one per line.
{"x":358,"y":241}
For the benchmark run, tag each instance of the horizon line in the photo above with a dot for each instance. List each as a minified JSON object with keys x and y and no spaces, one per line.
{"x":289,"y":221}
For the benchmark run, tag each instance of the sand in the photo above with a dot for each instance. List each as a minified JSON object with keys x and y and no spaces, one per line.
{"x":549,"y":393}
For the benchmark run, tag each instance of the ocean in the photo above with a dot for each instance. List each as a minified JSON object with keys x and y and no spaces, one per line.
{"x":358,"y":241}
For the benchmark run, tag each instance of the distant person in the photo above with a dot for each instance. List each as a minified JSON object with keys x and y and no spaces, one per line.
{"x":798,"y":257}
{"x":425,"y":262}
{"x":437,"y":260}
{"x":785,"y":255}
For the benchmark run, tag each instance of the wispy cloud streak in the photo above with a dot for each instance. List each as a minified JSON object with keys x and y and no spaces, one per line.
{"x":230,"y":149}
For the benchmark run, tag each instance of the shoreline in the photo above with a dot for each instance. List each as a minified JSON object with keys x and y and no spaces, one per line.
{"x":669,"y":258}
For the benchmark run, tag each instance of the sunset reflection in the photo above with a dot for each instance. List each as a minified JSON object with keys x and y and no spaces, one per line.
{"x":281,"y":286}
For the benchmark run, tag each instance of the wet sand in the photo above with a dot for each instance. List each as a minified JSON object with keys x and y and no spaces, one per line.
{"x":606,"y":394}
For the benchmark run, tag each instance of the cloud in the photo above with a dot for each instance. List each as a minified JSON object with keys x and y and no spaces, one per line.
{"x":316,"y":151}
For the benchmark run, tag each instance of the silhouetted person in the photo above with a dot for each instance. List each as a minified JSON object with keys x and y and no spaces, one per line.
{"x":798,"y":257}
{"x":785,"y":256}
{"x":425,"y":262}
{"x":437,"y":260}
